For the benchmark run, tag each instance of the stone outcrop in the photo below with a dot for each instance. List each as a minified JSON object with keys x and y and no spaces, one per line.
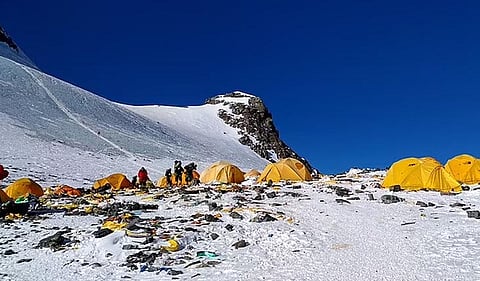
{"x":254,"y":124}
{"x":8,"y":40}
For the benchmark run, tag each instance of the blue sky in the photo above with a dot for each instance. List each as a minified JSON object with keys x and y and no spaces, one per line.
{"x":349,"y":83}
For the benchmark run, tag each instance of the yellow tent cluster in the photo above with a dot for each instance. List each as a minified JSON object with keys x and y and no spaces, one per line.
{"x":288,"y":169}
{"x":420,"y":173}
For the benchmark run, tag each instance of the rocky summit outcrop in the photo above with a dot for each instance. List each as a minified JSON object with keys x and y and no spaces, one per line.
{"x":10,"y":50}
{"x":254,"y":124}
{"x":8,"y":40}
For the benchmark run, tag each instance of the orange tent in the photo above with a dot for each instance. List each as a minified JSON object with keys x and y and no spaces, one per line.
{"x":67,"y":190}
{"x":116,"y":181}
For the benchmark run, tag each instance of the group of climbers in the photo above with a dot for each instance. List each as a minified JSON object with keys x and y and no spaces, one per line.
{"x":177,"y":177}
{"x":181,"y":176}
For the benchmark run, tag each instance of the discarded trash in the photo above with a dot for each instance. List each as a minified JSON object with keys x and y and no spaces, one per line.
{"x":178,"y":243}
{"x":240,"y":244}
{"x":206,"y":254}
{"x":473,"y":214}
{"x":102,"y":232}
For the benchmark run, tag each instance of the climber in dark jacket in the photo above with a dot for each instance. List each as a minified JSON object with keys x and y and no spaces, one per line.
{"x":189,"y":172}
{"x":168,"y":176}
{"x":178,"y":170}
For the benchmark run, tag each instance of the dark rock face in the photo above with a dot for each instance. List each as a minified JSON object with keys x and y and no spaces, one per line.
{"x":254,"y":123}
{"x":8,"y":40}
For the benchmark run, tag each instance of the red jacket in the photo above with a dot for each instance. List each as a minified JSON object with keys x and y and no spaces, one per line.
{"x":3,"y":173}
{"x":142,"y":176}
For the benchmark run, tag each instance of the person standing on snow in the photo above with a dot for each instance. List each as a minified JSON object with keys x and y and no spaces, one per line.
{"x":168,"y":176}
{"x":142,"y":177}
{"x":178,"y":170}
{"x":189,"y":172}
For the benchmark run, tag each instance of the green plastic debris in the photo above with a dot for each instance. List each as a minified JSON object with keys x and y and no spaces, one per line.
{"x":21,"y":200}
{"x":206,"y":254}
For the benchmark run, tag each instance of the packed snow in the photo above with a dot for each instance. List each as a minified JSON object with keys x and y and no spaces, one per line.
{"x":317,"y":235}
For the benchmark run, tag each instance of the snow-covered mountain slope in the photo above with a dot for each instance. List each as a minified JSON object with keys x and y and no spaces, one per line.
{"x":47,"y":109}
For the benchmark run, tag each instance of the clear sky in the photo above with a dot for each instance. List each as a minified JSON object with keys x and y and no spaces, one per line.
{"x":349,"y":83}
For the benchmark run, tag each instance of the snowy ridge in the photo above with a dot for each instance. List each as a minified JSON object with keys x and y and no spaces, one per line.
{"x":235,"y":96}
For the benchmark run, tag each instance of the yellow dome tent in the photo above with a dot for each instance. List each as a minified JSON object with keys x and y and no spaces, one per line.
{"x":252,"y":174}
{"x":285,"y":169}
{"x":23,"y":187}
{"x":116,"y":181}
{"x":464,"y":168}
{"x":4,"y":197}
{"x":420,"y":173}
{"x":222,"y":172}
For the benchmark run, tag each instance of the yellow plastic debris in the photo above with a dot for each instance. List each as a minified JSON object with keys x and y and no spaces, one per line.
{"x":172,"y":246}
{"x":114,"y":225}
{"x":89,"y":209}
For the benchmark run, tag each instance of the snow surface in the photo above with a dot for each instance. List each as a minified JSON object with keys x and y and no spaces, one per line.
{"x":315,"y":238}
{"x":244,"y":99}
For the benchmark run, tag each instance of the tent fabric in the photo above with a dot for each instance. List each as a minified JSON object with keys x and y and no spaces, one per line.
{"x":464,"y":168}
{"x":67,"y":190}
{"x":4,"y":197}
{"x":285,"y":169}
{"x":23,"y":187}
{"x":162,"y":182}
{"x":252,"y":174}
{"x":116,"y":181}
{"x":222,"y":172}
{"x":420,"y":173}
